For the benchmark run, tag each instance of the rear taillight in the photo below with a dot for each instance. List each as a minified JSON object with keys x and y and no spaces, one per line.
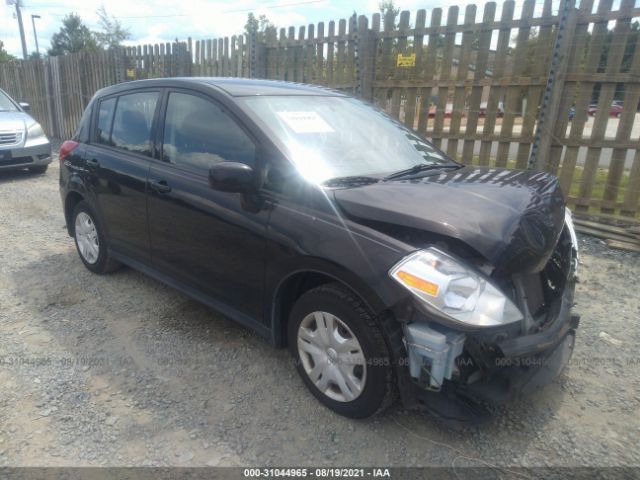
{"x":66,"y":148}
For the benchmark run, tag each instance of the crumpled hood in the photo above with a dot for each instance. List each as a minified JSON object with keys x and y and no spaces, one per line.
{"x":511,"y":217}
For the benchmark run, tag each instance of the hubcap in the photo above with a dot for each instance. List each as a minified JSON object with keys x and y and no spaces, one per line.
{"x":87,"y":238}
{"x":332,"y":356}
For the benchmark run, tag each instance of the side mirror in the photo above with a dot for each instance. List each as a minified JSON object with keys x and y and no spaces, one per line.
{"x":25,"y":106}
{"x":232,"y":177}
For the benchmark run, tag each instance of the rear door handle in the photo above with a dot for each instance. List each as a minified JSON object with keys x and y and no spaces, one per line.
{"x":93,"y":162}
{"x":160,"y":186}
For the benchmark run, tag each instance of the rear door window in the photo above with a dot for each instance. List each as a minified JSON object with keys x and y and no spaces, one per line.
{"x":132,"y":122}
{"x":198,"y":134}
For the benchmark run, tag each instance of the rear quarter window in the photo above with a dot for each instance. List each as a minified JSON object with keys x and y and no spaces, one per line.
{"x":105,"y":117}
{"x":82,"y":131}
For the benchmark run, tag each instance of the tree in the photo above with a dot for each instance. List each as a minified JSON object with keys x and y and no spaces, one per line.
{"x":260,"y":26}
{"x":111,"y":33}
{"x":633,"y":42}
{"x":388,"y":7}
{"x":74,"y":36}
{"x":35,"y":56}
{"x":4,"y":55}
{"x":629,"y":49}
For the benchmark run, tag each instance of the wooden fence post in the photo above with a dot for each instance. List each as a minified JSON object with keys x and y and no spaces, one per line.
{"x":365,"y":49}
{"x":258,"y":52}
{"x":251,"y":54}
{"x":550,"y":110}
{"x":185,"y":60}
{"x":121,"y":74}
{"x":46,"y":72}
{"x":56,"y":94}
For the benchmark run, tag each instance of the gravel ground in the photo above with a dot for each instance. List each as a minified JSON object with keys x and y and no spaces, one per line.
{"x":121,"y":370}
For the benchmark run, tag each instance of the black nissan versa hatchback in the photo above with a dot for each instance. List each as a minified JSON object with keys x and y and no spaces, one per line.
{"x":324,"y":225}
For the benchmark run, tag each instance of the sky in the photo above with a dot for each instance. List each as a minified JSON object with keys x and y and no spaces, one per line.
{"x":154,"y":21}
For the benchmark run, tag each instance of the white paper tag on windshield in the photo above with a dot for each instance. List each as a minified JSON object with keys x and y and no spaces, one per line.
{"x":305,"y":122}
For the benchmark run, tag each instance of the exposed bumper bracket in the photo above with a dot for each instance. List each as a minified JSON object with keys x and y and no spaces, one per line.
{"x":539,"y":342}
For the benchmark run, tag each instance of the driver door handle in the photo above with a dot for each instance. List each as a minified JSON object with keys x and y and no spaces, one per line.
{"x":160,"y":186}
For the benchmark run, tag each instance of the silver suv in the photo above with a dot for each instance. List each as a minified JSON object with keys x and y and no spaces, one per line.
{"x":23,"y":143}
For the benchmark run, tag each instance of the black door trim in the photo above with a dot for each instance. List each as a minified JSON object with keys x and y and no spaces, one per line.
{"x":209,"y":301}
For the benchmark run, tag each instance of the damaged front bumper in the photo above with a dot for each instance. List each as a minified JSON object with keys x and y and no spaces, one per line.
{"x":492,"y":366}
{"x":438,"y":362}
{"x":524,"y":364}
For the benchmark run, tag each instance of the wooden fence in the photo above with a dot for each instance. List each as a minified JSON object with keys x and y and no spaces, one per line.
{"x":531,"y":84}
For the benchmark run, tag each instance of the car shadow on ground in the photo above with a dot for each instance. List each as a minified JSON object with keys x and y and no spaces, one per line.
{"x":161,"y":363}
{"x":17,"y":175}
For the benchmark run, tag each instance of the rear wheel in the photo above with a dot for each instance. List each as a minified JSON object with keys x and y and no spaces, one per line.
{"x":90,"y":242}
{"x":38,"y":168}
{"x":340,"y":352}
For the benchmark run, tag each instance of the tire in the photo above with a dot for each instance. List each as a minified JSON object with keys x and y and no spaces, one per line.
{"x":39,"y":169}
{"x":98,"y":261}
{"x":371,"y":369}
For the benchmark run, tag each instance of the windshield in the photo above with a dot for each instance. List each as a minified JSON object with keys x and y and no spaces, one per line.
{"x":335,"y":137}
{"x":6,"y":104}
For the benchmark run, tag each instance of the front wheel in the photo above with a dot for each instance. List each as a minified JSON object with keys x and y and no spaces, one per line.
{"x":340,"y":352}
{"x":90,"y":242}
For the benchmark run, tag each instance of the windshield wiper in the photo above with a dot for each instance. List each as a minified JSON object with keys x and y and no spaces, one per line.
{"x":423,"y":167}
{"x":350,"y":180}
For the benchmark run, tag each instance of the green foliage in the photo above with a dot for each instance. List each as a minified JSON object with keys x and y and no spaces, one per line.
{"x":630,"y":47}
{"x":74,"y":36}
{"x":388,"y":9}
{"x":260,"y":26}
{"x":633,"y":43}
{"x":111,"y":33}
{"x":4,"y":55}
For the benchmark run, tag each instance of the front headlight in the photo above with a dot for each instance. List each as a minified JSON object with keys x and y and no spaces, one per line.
{"x":460,"y":292}
{"x":35,"y":131}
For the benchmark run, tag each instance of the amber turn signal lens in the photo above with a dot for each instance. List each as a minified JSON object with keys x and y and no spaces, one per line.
{"x":415,"y":282}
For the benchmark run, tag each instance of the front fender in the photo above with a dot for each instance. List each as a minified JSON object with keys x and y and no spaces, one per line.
{"x":376,"y":301}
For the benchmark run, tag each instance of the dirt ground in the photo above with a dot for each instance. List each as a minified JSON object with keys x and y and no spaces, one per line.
{"x":121,"y":370}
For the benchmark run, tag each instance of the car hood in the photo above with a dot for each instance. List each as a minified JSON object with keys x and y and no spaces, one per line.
{"x":12,"y":121}
{"x":511,"y":217}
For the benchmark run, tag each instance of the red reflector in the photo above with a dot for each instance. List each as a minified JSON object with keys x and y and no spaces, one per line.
{"x":66,"y":148}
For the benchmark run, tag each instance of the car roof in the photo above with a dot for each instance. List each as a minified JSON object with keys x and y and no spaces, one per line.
{"x":235,"y":87}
